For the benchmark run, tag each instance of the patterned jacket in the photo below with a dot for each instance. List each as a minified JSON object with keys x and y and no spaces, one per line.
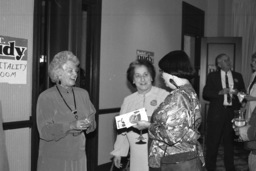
{"x":174,"y":128}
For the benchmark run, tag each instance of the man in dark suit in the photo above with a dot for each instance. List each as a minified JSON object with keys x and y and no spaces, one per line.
{"x":220,"y":90}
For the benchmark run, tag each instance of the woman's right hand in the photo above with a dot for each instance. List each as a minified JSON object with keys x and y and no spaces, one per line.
{"x":79,"y":125}
{"x":117,"y":161}
{"x":242,"y":132}
{"x":140,"y":125}
{"x":236,"y":129}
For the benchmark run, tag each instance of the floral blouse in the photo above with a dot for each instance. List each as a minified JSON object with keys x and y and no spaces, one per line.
{"x":175,"y":122}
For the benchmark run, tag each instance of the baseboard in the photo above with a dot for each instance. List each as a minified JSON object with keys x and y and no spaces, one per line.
{"x":104,"y":167}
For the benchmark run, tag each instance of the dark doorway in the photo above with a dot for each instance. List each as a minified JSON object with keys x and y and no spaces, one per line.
{"x":72,"y":25}
{"x":192,"y":32}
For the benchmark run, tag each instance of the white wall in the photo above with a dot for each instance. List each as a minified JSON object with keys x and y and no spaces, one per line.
{"x":218,"y":18}
{"x":128,"y":25}
{"x":17,"y":21}
{"x":211,"y":18}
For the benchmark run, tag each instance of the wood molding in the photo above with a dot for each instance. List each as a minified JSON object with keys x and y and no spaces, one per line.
{"x":108,"y":111}
{"x":17,"y":125}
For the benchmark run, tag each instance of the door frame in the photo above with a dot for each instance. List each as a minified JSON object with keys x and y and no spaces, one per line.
{"x":92,"y":71}
{"x":93,"y":74}
{"x":193,"y":26}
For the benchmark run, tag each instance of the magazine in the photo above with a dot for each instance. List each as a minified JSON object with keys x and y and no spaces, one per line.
{"x":129,"y":119}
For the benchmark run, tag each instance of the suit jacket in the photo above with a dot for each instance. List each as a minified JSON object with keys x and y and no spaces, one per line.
{"x":211,"y":93}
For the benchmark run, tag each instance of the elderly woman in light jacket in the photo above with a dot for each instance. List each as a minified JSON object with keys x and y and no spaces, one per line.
{"x":141,"y":75}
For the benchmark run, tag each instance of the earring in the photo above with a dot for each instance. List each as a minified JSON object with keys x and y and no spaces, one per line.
{"x":173,"y":83}
{"x":59,"y":82}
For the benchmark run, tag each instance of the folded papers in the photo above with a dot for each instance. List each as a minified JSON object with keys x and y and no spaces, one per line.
{"x":129,"y":119}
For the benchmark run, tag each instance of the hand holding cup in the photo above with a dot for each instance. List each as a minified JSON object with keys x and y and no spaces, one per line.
{"x":80,"y":124}
{"x":238,"y":123}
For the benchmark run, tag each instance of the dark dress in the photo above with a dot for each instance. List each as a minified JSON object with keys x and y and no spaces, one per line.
{"x":59,"y":150}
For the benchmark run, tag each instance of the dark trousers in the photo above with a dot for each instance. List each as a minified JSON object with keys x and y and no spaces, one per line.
{"x":196,"y":166}
{"x":154,"y":169}
{"x":193,"y":165}
{"x":217,"y":131}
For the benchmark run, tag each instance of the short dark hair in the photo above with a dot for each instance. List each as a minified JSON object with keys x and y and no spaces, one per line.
{"x":177,"y":63}
{"x":140,"y":62}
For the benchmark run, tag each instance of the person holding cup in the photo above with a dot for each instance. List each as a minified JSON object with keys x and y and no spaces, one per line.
{"x":64,"y":112}
{"x":250,"y":97}
{"x":247,"y":134}
{"x":221,"y":90}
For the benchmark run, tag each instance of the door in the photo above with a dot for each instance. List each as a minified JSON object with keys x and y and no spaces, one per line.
{"x":192,"y":32}
{"x":210,"y":48}
{"x":72,"y":25}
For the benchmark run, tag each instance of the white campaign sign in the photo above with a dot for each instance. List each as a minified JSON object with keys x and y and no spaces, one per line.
{"x":13,"y":71}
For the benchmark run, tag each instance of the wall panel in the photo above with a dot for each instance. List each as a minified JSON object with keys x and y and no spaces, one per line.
{"x":18,"y":149}
{"x":17,"y":21}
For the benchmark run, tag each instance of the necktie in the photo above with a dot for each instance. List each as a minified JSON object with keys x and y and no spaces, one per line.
{"x":253,"y":82}
{"x":227,"y":86}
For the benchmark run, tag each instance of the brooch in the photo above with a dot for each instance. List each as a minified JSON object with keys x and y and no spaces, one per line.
{"x":153,"y":103}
